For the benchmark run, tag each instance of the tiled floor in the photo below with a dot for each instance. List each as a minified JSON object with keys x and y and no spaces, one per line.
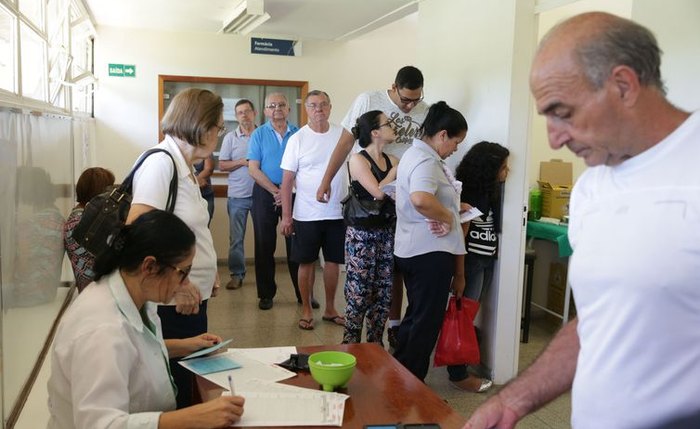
{"x":235,"y":314}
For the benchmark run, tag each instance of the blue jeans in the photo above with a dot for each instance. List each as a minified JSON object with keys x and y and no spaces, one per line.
{"x":479,"y":273}
{"x":238,"y":209}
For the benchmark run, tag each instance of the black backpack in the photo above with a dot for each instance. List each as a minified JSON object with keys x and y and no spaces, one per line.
{"x":105,"y":214}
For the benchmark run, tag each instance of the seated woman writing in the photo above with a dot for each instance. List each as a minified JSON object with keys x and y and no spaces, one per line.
{"x":109,"y":363}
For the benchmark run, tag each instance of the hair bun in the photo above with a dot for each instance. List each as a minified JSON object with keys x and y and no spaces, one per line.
{"x":356,"y":131}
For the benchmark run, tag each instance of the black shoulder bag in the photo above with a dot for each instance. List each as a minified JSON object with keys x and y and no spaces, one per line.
{"x":105,"y":214}
{"x":366,"y":213}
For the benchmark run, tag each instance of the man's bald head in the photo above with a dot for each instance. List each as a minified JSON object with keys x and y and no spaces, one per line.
{"x":598,"y":42}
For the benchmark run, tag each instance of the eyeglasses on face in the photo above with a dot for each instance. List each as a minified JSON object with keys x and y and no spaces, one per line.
{"x":389,"y":124}
{"x":222,"y":130}
{"x":405,"y":100}
{"x":184,"y":272}
{"x":322,"y":105}
{"x":243,"y":112}
{"x":273,"y":106}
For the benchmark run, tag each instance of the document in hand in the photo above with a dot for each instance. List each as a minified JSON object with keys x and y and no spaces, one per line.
{"x":390,"y":189}
{"x":470,"y":214}
{"x":208,"y":350}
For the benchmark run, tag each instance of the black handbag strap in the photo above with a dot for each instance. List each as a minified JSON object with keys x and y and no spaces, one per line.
{"x":351,"y":189}
{"x":127,"y":184}
{"x":376,"y":171}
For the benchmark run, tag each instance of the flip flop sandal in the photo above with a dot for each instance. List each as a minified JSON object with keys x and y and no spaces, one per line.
{"x":338,"y":320}
{"x":306,"y":324}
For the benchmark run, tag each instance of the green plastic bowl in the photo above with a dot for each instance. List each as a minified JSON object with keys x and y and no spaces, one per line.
{"x":331,"y":369}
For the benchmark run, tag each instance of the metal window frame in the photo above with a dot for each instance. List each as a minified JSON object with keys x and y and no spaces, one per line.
{"x":61,"y":57}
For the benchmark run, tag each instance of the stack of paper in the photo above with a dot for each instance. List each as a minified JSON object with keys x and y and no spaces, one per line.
{"x":274,"y":404}
{"x":210,"y":364}
{"x":250,"y":369}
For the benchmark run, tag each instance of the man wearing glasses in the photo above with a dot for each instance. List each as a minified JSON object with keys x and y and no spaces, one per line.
{"x":312,"y":225}
{"x":404,"y":106}
{"x":232,"y":159}
{"x":265,"y":149}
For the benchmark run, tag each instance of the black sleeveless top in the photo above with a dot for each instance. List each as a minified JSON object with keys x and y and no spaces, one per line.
{"x":378,"y":174}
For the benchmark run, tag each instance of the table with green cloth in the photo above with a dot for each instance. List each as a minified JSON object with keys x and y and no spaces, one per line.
{"x":549,"y":231}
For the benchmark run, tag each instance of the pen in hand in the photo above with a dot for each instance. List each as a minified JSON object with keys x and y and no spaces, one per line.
{"x":230,"y":386}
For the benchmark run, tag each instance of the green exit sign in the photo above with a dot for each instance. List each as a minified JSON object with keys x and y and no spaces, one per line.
{"x":122,"y":70}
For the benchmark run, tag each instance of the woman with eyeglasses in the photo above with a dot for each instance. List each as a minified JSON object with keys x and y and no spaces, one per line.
{"x":109,"y":363}
{"x":369,"y":249}
{"x":192,"y":125}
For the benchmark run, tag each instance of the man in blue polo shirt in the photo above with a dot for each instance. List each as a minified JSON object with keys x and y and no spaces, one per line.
{"x":265,"y":149}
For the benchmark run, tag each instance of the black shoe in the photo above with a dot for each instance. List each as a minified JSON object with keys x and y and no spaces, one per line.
{"x":393,"y":337}
{"x":265,"y":303}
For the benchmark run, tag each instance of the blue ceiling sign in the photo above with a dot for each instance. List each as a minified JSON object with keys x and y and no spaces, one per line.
{"x":259,"y":45}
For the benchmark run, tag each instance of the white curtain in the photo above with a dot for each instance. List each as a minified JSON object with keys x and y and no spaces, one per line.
{"x":39,"y":160}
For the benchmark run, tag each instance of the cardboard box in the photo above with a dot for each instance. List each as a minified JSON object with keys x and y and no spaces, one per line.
{"x":556,"y":178}
{"x":556,"y":290}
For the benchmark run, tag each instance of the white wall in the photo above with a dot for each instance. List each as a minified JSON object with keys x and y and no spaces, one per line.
{"x":676,"y":25}
{"x":126,"y":109}
{"x":478,"y":65}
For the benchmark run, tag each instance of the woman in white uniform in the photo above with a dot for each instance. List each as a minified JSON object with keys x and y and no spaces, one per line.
{"x":109,"y":363}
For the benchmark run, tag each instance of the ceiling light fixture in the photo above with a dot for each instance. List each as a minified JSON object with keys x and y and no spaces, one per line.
{"x":247,"y":16}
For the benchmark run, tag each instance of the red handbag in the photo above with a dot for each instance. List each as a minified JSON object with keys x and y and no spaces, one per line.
{"x":457,"y":344}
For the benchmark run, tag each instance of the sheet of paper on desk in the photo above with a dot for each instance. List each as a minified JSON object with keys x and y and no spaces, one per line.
{"x":274,"y":404}
{"x":251,"y":369}
{"x":470,"y":214}
{"x":210,"y":364}
{"x":268,"y":354}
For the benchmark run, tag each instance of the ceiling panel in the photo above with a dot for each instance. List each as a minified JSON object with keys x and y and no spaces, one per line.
{"x":301,"y":19}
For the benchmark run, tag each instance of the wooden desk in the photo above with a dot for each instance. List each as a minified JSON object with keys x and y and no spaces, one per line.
{"x":381,"y":391}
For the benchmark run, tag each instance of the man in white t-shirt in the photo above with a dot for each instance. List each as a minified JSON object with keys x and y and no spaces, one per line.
{"x":314,"y":225}
{"x":632,"y":357}
{"x":404,"y":106}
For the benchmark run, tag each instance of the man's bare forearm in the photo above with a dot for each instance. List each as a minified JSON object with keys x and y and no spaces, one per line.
{"x":232,"y":165}
{"x":261,"y":178}
{"x":551,"y":375}
{"x":339,"y":155}
{"x":286,"y":193}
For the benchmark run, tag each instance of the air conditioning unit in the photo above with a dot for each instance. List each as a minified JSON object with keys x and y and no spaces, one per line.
{"x":247,"y":16}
